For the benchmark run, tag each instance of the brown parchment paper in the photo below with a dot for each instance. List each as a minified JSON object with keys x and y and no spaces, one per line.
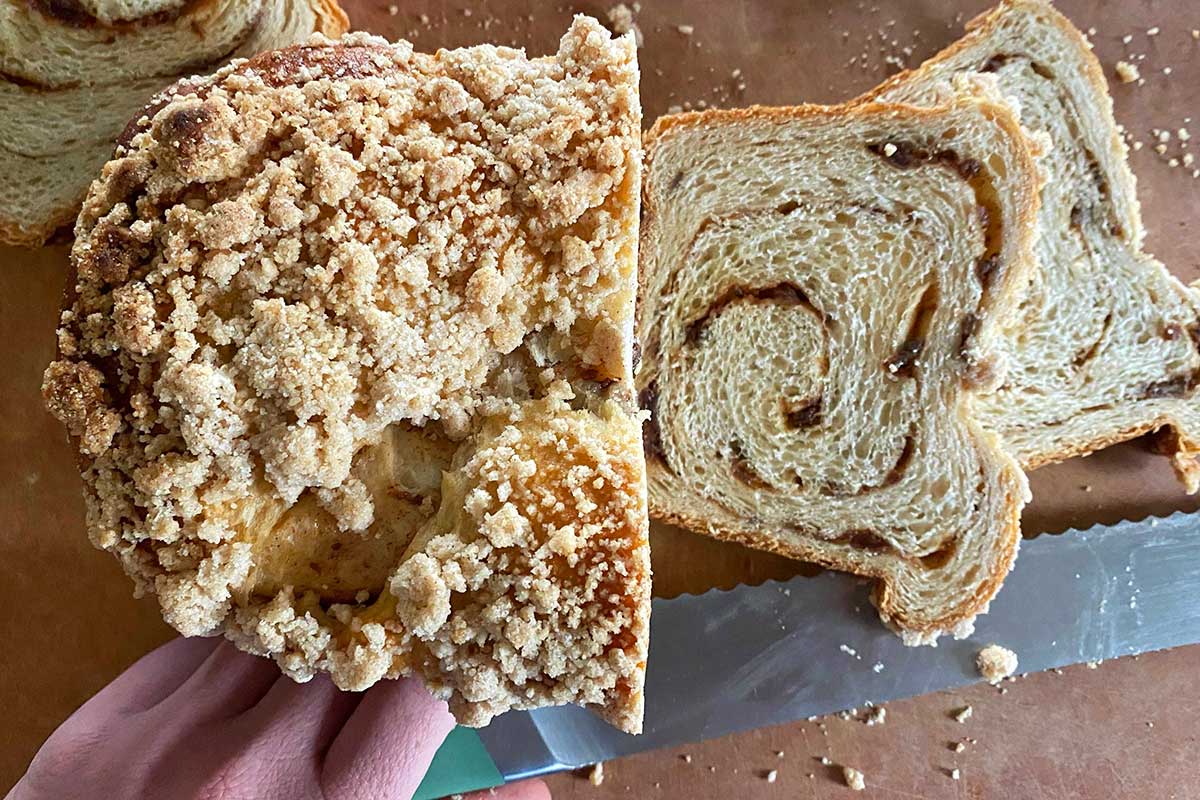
{"x":69,"y":623}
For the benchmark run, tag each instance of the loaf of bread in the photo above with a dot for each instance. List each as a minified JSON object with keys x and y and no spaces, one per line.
{"x":348,"y":361}
{"x":819,"y":306}
{"x":1106,"y":345}
{"x":73,"y":72}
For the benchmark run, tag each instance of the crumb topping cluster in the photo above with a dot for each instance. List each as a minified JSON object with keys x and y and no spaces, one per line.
{"x":288,"y":259}
{"x":532,"y":580}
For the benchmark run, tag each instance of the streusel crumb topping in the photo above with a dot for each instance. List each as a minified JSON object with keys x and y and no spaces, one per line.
{"x":300,"y":287}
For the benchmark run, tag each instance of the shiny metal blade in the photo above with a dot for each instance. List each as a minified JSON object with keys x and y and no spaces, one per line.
{"x":754,"y":656}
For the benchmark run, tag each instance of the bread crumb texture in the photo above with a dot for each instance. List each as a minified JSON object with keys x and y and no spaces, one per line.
{"x":348,"y":364}
{"x":995,"y":663}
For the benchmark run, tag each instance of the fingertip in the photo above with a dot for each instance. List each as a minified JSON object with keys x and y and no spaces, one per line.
{"x":525,"y":790}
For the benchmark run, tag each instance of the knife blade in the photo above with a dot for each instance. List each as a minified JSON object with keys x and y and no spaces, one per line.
{"x":754,"y":656}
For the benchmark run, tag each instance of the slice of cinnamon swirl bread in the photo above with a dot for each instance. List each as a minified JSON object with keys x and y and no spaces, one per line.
{"x":348,"y":362}
{"x":1106,"y":344}
{"x":73,"y":72}
{"x":821,"y":295}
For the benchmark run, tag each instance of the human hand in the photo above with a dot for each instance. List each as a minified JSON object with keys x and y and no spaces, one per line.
{"x":197,"y":719}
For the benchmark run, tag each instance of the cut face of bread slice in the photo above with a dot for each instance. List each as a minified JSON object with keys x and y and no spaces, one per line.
{"x":348,"y":360}
{"x":73,"y":74}
{"x":1106,"y":345}
{"x":821,"y":291}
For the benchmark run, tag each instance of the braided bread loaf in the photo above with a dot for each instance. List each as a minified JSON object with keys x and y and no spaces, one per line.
{"x":820,"y":299}
{"x":1106,"y":345}
{"x":348,"y":362}
{"x":73,"y":72}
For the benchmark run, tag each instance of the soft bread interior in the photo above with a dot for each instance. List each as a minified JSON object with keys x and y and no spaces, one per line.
{"x":1106,"y":344}
{"x":821,"y":292}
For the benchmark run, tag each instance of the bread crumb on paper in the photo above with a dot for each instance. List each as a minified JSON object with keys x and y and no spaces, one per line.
{"x":621,"y":21}
{"x":854,"y":778}
{"x":772,"y":775}
{"x":995,"y":663}
{"x":1126,"y":72}
{"x":596,"y":774}
{"x":963,"y":714}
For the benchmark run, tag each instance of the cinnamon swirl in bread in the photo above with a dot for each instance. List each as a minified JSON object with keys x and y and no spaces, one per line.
{"x":1106,"y":344}
{"x":73,"y":72}
{"x":348,"y":361}
{"x":821,"y":295}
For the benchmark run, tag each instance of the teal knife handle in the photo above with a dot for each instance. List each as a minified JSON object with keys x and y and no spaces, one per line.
{"x":461,"y":764}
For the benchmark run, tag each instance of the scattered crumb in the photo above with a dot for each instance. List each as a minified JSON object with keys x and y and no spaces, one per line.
{"x":959,"y":747}
{"x":877,"y":716}
{"x":393,"y":10}
{"x":621,"y":21}
{"x":955,"y":774}
{"x":995,"y":663}
{"x":687,"y":758}
{"x":1152,"y":31}
{"x":889,"y":149}
{"x":1188,"y":158}
{"x":963,"y":714}
{"x":1166,"y":70}
{"x":825,"y":761}
{"x":596,"y":775}
{"x":1149,"y":724}
{"x":1161,"y":149}
{"x":779,"y":754}
{"x":1126,"y":72}
{"x":1127,"y":38}
{"x":772,"y":775}
{"x":686,"y":30}
{"x":854,"y":779}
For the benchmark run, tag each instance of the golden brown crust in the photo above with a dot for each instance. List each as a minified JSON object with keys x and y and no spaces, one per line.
{"x":883,"y":596}
{"x":331,"y":19}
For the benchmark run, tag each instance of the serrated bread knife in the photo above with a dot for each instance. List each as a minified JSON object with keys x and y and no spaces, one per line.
{"x":727,"y":661}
